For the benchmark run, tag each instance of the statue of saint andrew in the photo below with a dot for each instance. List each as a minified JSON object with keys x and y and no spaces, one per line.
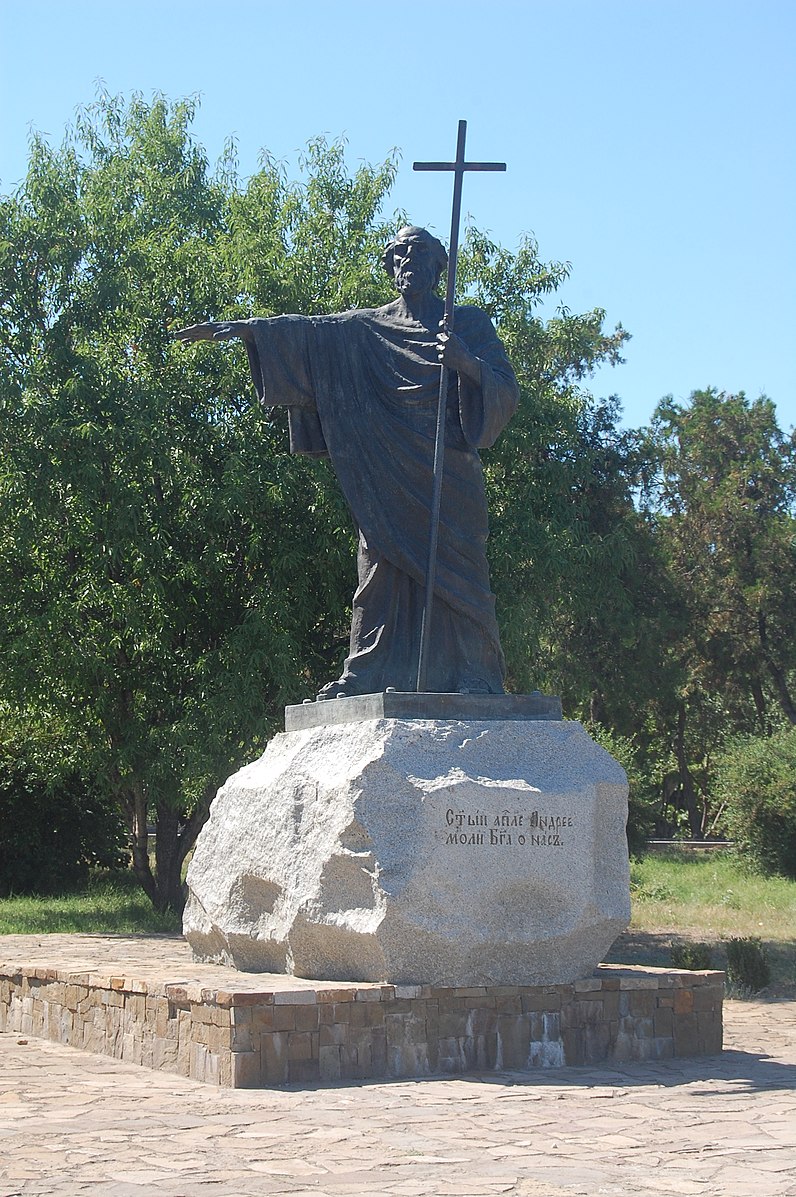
{"x":361,"y":388}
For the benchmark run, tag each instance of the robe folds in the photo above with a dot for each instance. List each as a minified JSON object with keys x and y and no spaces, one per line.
{"x":361,"y":388}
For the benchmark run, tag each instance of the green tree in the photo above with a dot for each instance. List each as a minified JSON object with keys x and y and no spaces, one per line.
{"x":586,"y":604}
{"x":155,"y":548}
{"x":726,"y":491}
{"x":55,"y":824}
{"x":566,"y":537}
{"x":155,"y":531}
{"x":722,"y":497}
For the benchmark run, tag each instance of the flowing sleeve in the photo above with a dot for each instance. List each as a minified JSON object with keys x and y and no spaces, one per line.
{"x":485,"y":410}
{"x":281,"y":364}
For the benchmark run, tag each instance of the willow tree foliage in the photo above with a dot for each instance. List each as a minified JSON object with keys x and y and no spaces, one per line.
{"x":578,"y":578}
{"x":170,"y":576}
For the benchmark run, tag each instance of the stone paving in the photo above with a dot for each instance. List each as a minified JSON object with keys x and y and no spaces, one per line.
{"x":72,"y":1123}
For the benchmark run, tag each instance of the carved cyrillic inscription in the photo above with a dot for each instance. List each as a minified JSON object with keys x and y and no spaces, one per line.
{"x":531,"y":829}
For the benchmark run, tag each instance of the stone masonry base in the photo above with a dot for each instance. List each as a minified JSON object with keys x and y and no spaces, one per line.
{"x":267,"y":1030}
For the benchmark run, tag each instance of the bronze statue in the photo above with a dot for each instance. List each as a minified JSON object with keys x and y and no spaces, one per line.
{"x":361,"y":389}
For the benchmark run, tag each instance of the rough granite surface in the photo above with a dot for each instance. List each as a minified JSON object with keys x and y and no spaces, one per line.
{"x":416,"y":852}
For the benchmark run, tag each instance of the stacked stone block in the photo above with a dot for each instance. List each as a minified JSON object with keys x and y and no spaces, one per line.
{"x":332,"y":1033}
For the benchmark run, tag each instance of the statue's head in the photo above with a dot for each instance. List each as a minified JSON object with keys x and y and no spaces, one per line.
{"x":415,"y":259}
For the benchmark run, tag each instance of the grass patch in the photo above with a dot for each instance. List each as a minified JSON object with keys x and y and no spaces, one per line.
{"x":710,"y":895}
{"x":708,"y":899}
{"x":111,"y":903}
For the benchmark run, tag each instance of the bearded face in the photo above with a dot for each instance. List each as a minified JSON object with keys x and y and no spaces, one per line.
{"x":415,"y":263}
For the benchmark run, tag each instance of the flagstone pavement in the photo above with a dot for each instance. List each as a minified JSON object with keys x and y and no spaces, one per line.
{"x":72,"y":1123}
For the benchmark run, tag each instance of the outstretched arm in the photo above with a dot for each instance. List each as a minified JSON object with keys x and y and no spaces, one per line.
{"x":215,"y":331}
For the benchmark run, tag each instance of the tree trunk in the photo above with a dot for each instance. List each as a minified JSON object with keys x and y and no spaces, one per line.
{"x":134,"y":805}
{"x":174,"y":838}
{"x":775,"y":670}
{"x":167,"y":858}
{"x":687,"y":787}
{"x":782,"y":691}
{"x":596,"y":707}
{"x":760,"y":704}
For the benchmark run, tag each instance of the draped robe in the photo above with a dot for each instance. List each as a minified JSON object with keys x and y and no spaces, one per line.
{"x":361,"y":388}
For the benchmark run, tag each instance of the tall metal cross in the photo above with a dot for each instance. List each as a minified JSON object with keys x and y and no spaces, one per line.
{"x":458,"y":167}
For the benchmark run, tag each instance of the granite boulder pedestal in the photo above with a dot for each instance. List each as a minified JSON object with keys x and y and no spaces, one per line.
{"x":483,"y":846}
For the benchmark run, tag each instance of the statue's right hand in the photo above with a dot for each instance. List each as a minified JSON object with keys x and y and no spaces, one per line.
{"x":214,"y":331}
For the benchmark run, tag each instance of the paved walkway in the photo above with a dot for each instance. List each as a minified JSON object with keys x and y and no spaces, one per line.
{"x":73,"y":1123}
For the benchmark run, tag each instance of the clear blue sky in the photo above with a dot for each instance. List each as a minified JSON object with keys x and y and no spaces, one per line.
{"x":649,"y":142}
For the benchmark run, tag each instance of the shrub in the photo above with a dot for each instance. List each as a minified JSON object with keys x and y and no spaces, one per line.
{"x":748,"y":969}
{"x":54,"y":824}
{"x":691,"y":956}
{"x":756,"y":779}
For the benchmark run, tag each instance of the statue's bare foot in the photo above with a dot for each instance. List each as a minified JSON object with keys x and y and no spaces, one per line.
{"x":477,"y":685}
{"x":337,"y":689}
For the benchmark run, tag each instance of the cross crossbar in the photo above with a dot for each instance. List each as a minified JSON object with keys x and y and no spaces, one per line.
{"x":458,"y":166}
